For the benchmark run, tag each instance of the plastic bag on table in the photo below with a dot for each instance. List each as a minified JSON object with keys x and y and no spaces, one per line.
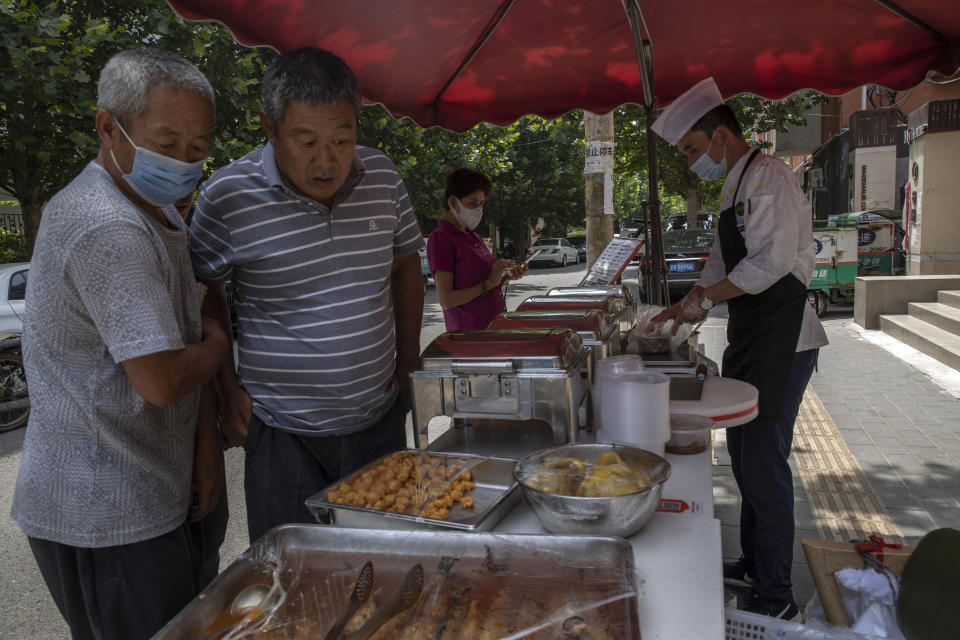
{"x":656,"y":337}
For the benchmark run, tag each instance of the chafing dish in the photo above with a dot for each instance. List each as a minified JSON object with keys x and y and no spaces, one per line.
{"x":475,"y":585}
{"x":618,"y":290}
{"x":623,"y":313}
{"x":596,"y":328}
{"x":513,"y":375}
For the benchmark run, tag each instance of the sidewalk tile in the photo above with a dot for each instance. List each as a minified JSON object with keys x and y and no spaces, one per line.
{"x":915,"y":523}
{"x":857,"y":437}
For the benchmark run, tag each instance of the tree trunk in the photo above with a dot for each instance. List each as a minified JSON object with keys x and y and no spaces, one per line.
{"x":31,"y":207}
{"x":693,"y":200}
{"x":599,"y":220}
{"x":27,"y":187}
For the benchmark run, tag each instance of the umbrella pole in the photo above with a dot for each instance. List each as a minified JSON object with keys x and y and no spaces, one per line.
{"x":656,"y":285}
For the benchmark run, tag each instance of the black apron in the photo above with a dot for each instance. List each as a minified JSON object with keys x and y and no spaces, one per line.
{"x":763,"y":328}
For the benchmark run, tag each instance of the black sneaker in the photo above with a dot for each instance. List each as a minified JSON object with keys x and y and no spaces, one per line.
{"x":735,"y":573}
{"x":783,"y":609}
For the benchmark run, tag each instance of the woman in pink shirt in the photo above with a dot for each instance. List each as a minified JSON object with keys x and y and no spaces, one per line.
{"x":467,"y":276}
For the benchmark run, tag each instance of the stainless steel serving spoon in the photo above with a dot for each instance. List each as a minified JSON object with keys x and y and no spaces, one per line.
{"x":250,"y":597}
{"x":244,"y":603}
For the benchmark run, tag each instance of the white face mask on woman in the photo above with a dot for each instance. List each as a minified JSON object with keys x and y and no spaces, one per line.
{"x":469,"y":218}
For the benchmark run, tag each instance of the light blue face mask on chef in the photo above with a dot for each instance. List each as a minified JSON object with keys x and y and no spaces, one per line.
{"x":706,"y":168}
{"x":157,"y":179}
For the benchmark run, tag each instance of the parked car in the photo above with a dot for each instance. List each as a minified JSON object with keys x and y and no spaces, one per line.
{"x":580,"y":244}
{"x":685,"y":253}
{"x":679,"y":222}
{"x":557,"y":251}
{"x":13,"y":289}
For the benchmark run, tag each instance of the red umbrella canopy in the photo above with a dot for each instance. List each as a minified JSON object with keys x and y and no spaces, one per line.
{"x":454,"y":64}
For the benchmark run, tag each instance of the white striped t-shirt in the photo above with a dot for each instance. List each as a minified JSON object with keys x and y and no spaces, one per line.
{"x":316,"y":339}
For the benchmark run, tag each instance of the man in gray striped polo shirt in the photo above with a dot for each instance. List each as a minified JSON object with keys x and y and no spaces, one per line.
{"x":320,"y":242}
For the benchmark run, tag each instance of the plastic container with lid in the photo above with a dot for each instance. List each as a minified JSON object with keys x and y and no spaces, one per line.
{"x":635,"y":410}
{"x":606,"y":369}
{"x":689,"y":434}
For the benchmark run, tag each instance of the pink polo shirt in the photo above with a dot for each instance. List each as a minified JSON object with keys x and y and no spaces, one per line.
{"x":465,"y":255}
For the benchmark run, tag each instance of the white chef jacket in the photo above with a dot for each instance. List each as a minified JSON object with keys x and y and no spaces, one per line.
{"x":775,"y":219}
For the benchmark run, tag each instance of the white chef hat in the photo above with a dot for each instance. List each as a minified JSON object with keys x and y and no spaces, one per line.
{"x":684,"y":112}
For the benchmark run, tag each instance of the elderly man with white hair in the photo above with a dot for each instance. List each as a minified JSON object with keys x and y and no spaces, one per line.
{"x":117,"y":351}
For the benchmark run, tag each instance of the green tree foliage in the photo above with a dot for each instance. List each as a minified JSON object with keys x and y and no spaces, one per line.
{"x":536,"y":167}
{"x":51,"y":54}
{"x":677,"y":182}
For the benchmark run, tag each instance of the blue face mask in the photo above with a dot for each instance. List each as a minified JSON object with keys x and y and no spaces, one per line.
{"x":706,"y":168}
{"x":157,"y":179}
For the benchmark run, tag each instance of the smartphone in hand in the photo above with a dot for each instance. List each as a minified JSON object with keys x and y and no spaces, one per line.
{"x":532,"y":256}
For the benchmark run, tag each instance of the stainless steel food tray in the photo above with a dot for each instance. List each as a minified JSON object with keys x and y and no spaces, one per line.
{"x":495,"y":494}
{"x":534,"y":582}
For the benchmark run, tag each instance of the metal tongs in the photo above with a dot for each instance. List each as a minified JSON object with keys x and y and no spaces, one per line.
{"x":403,"y":597}
{"x":359,"y":596}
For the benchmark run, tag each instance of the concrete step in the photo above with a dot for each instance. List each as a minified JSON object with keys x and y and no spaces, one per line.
{"x":924,"y":337}
{"x":940,"y":315}
{"x":949,"y":298}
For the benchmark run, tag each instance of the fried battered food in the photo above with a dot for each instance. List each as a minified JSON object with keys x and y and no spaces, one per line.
{"x":559,"y":475}
{"x":408,"y":483}
{"x":609,"y":476}
{"x":610,"y":457}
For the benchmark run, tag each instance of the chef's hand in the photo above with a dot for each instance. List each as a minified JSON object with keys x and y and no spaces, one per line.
{"x":235,"y":411}
{"x":690,"y":310}
{"x":670,"y":313}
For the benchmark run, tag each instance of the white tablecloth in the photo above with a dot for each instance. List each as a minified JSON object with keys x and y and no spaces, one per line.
{"x":677,"y":554}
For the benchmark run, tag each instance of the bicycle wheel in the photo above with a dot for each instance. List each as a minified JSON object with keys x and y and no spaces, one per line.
{"x":14,"y":399}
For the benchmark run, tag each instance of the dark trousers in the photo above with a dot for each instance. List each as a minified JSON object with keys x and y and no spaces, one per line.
{"x":125,"y":592}
{"x":758,"y":454}
{"x":206,"y":536}
{"x":284,"y":469}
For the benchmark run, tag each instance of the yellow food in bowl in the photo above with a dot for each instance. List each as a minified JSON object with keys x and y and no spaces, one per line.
{"x":609,"y":477}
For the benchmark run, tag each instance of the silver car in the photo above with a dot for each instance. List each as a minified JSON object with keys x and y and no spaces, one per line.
{"x":13,"y":289}
{"x":556,"y":251}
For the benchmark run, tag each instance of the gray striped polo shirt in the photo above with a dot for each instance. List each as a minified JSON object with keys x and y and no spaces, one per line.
{"x":317,"y":342}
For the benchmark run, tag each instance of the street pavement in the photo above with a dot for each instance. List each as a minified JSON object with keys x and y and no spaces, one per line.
{"x":897,"y":410}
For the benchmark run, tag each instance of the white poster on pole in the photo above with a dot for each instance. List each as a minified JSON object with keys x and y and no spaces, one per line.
{"x":598,"y":157}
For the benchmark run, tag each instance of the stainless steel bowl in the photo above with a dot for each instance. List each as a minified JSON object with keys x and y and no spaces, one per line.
{"x":621,"y":515}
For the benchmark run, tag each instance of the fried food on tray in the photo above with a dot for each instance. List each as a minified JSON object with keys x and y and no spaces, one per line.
{"x":409,"y":483}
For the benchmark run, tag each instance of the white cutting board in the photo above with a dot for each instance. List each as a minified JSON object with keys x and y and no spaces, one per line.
{"x":728,"y":402}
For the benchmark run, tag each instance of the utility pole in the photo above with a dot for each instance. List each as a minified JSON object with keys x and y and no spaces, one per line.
{"x":598,"y":172}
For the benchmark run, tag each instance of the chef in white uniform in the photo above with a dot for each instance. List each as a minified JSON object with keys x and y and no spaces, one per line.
{"x":760,"y":264}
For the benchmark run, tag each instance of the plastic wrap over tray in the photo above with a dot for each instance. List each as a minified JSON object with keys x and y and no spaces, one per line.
{"x":475,"y":586}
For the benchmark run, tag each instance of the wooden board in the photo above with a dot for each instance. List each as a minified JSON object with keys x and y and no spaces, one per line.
{"x":826,"y":557}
